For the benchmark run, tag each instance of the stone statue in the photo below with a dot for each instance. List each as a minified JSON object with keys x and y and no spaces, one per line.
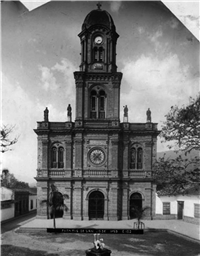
{"x":125,"y":111}
{"x":46,"y":115}
{"x":148,"y":115}
{"x":69,"y":110}
{"x":69,"y":113}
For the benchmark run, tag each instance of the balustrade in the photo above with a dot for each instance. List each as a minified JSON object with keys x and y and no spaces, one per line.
{"x":139,"y":174}
{"x":96,"y":173}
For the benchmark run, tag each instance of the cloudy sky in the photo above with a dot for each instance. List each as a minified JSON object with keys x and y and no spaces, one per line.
{"x":157,"y":54}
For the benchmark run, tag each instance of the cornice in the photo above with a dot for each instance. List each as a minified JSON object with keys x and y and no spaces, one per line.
{"x":83,"y":76}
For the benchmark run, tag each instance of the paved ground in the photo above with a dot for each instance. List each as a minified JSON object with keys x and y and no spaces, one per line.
{"x":17,"y":222}
{"x":181,"y":227}
{"x":32,"y":239}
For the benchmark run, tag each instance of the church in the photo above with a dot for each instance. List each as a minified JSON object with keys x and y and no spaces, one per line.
{"x":103,"y":165}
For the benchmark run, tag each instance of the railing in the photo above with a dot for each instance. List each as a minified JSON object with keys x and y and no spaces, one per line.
{"x":52,"y":173}
{"x":140,"y":174}
{"x":56,"y":173}
{"x":96,"y":173}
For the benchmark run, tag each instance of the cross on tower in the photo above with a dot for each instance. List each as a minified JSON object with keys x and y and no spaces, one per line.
{"x":99,"y":5}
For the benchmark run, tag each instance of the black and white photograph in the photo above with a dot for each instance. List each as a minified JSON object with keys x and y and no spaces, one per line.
{"x":100,"y":128}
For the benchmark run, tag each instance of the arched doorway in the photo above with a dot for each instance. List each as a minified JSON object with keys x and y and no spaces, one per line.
{"x":96,"y":205}
{"x":135,"y":203}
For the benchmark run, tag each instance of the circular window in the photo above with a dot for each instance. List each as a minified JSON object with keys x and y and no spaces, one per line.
{"x":97,"y":156}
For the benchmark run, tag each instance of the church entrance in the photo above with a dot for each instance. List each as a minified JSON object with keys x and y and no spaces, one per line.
{"x":96,"y":206}
{"x":135,"y":204}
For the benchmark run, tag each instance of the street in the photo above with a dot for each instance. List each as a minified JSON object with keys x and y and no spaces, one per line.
{"x":15,"y":223}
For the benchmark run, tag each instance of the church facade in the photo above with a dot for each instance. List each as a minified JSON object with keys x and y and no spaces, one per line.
{"x":104,"y":166}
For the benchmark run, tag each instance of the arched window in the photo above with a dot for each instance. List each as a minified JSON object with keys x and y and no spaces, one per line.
{"x":95,"y":54}
{"x":93,"y":104}
{"x":57,"y":157}
{"x":98,"y":101}
{"x":133,"y":158}
{"x":54,"y":157}
{"x":136,"y":158}
{"x":60,"y":157}
{"x":102,"y":97}
{"x":139,"y":158}
{"x":98,"y":54}
{"x":101,"y":54}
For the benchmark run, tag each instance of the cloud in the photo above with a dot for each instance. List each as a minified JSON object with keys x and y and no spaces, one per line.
{"x":67,"y":69}
{"x":115,"y":6}
{"x":21,"y":110}
{"x":140,"y":29}
{"x":155,"y":36}
{"x":154,"y":39}
{"x":48,"y":79}
{"x":157,"y":84}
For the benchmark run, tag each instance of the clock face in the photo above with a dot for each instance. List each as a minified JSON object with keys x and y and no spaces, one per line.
{"x":97,"y":156}
{"x":98,"y":40}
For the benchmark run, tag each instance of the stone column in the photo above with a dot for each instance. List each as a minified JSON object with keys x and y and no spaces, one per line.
{"x":113,"y":202}
{"x":68,"y":158}
{"x":114,"y":152}
{"x":125,"y":203}
{"x":45,"y":156}
{"x":85,"y":204}
{"x":78,"y":155}
{"x":42,"y":191}
{"x":67,"y":201}
{"x":77,"y":201}
{"x":148,"y":154}
{"x":125,"y":159}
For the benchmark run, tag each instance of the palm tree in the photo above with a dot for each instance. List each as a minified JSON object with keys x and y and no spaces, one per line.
{"x":56,"y":202}
{"x":140,"y":213}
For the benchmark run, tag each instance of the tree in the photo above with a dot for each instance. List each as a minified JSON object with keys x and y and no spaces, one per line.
{"x":8,"y":180}
{"x":177,"y":175}
{"x":55,"y":202}
{"x":182,"y":126}
{"x":5,"y":138}
{"x":140,"y":213}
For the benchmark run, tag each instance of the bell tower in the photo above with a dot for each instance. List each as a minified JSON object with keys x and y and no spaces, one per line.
{"x":98,"y":82}
{"x":98,"y":42}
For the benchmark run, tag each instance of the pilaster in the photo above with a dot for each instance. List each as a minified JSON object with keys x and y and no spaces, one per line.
{"x":113,"y":202}
{"x":78,"y":155}
{"x":77,"y":201}
{"x":68,"y":155}
{"x":125,"y":199}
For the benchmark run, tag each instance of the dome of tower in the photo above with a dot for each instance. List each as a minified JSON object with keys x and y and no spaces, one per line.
{"x":98,"y":17}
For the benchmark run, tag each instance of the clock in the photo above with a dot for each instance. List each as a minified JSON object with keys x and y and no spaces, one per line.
{"x":97,"y":156}
{"x":98,"y":40}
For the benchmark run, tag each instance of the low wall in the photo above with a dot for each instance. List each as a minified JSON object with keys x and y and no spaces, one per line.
{"x":191,"y":220}
{"x":165,"y":217}
{"x":7,"y":213}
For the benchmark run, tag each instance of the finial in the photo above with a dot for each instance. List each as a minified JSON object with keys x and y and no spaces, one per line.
{"x":99,"y":6}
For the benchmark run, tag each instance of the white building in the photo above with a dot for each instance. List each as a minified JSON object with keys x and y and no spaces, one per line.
{"x":185,"y":207}
{"x":7,"y":204}
{"x":16,"y":202}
